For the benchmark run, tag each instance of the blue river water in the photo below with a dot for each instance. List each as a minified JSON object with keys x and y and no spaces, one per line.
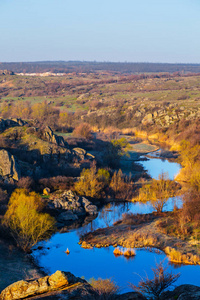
{"x":101,"y":263}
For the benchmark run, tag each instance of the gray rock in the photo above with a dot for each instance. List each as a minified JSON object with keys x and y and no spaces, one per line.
{"x":48,"y":286}
{"x":182,"y":292}
{"x":91,"y":209}
{"x":79,"y":153}
{"x":73,"y":206}
{"x":53,"y":138}
{"x":7,"y":123}
{"x":85,"y":202}
{"x":9,"y":166}
{"x":148,"y":119}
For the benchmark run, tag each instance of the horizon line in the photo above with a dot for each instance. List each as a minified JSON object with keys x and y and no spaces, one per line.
{"x":97,"y":62}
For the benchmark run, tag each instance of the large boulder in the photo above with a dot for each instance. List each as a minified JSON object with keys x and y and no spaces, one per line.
{"x":53,"y":138}
{"x":91,"y":209}
{"x":64,"y":281}
{"x":72,"y":205}
{"x":182,"y":292}
{"x":81,"y":154}
{"x":148,"y":119}
{"x":9,"y":166}
{"x":67,"y":201}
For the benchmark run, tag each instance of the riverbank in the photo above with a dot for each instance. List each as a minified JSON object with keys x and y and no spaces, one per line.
{"x":142,"y":231}
{"x":16,"y":265}
{"x":64,"y":285}
{"x":69,"y":239}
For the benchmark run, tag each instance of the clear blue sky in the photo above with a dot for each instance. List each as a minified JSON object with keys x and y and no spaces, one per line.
{"x":101,"y":30}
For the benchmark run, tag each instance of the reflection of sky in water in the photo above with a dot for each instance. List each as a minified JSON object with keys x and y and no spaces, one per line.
{"x":102,"y":262}
{"x":156,"y":166}
{"x":114,"y":211}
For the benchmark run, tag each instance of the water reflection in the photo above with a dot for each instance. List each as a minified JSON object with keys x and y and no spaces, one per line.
{"x":102,"y":262}
{"x":156,"y":166}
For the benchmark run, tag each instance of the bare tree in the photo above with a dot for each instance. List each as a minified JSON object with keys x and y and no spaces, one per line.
{"x":152,"y":288}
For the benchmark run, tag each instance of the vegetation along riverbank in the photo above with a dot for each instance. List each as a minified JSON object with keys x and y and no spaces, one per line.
{"x":70,"y":144}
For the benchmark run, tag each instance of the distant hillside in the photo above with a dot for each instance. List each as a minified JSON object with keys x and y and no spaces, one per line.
{"x":78,"y":66}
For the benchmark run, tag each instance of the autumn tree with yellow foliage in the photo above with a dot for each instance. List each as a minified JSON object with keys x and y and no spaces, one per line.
{"x":25,"y":220}
{"x":158,"y":191}
{"x":91,"y":182}
{"x":190,"y":161}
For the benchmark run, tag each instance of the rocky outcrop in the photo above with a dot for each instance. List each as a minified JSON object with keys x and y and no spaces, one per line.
{"x":130,"y":296}
{"x":148,"y":119}
{"x":81,"y":154}
{"x":6,"y":72}
{"x":64,"y":285}
{"x":7,"y":123}
{"x":73,"y":206}
{"x":65,"y":282}
{"x":182,"y":292}
{"x":53,"y":138}
{"x":9,"y":167}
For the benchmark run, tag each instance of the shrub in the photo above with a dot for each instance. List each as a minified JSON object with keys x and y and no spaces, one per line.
{"x":89,"y":184}
{"x":26,"y":183}
{"x":117,"y":181}
{"x":25,"y":220}
{"x":56,"y":183}
{"x":83,"y":130}
{"x":106,"y":288}
{"x":114,"y":150}
{"x":191,"y":205}
{"x":154,"y":287}
{"x":158,"y":192}
{"x":103,"y":176}
{"x":121,"y":186}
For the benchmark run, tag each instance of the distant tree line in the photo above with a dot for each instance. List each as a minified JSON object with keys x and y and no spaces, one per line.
{"x":88,"y":67}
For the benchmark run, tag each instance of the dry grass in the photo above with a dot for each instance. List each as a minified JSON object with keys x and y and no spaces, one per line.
{"x":144,"y":235}
{"x":86,"y":245}
{"x":105,"y":288}
{"x":126,"y":252}
{"x":177,"y":257}
{"x":118,"y":251}
{"x":129,"y":252}
{"x":67,"y":251}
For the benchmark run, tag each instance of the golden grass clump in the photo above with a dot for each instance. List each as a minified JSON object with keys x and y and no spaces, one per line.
{"x":117,"y":251}
{"x":129,"y":252}
{"x":177,"y":257}
{"x":86,"y":245}
{"x":67,"y":251}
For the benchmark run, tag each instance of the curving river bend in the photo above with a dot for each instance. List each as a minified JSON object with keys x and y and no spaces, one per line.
{"x":102,"y":262}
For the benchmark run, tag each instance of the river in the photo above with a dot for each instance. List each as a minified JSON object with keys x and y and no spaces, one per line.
{"x":101,"y":263}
